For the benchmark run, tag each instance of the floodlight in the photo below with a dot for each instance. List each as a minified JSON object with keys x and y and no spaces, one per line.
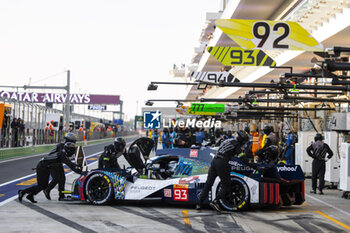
{"x":179,"y":104}
{"x":202,"y":86}
{"x":149,"y":103}
{"x":152,"y":87}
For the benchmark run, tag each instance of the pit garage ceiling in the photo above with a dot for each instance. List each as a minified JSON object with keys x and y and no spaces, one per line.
{"x":265,"y":10}
{"x":302,"y":63}
{"x":251,"y":9}
{"x":246,"y":9}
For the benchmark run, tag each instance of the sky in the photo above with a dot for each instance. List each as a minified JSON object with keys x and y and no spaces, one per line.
{"x":110,"y":46}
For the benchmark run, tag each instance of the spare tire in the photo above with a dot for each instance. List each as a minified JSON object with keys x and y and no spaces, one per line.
{"x":239,"y":198}
{"x":99,"y":189}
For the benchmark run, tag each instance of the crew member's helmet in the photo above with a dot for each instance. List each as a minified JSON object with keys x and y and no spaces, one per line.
{"x":70,"y":148}
{"x":267,"y":130}
{"x":270,"y":154}
{"x":71,"y":137}
{"x":119,"y":144}
{"x":242,"y":137}
{"x":318,"y":137}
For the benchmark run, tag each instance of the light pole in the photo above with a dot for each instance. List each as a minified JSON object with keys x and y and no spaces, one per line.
{"x":67,"y":108}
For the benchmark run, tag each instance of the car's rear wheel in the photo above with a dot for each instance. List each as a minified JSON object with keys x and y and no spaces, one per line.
{"x":239,"y":198}
{"x":99,"y":189}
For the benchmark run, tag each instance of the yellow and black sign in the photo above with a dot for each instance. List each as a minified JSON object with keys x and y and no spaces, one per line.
{"x":267,"y":34}
{"x":237,"y":56}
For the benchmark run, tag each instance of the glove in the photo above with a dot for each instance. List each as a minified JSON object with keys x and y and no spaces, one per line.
{"x":77,"y":169}
{"x":260,"y":170}
{"x":84,"y":173}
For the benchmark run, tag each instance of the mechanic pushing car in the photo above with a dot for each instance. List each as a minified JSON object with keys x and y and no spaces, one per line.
{"x":220,"y":167}
{"x":109,"y":158}
{"x":318,"y":151}
{"x":43,"y":170}
{"x":56,"y":169}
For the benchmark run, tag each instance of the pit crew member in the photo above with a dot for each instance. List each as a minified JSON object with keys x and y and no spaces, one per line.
{"x":220,"y":167}
{"x":43,"y":170}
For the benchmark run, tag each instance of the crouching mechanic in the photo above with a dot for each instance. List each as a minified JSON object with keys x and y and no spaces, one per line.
{"x":43,"y":170}
{"x":220,"y":167}
{"x":109,"y":158}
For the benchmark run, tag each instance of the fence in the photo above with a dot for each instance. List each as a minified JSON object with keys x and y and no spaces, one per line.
{"x":33,"y":137}
{"x":33,"y":132}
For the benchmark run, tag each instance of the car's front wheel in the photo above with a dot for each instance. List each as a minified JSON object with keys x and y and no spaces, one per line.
{"x":99,"y":189}
{"x":239,"y":197}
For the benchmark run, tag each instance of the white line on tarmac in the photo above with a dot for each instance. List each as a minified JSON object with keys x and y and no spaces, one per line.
{"x":32,"y":156}
{"x":26,"y":157}
{"x":11,"y":181}
{"x":8,"y":200}
{"x":329,"y":205}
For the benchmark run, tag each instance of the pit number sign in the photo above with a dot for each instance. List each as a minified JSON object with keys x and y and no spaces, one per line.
{"x":267,"y":34}
{"x":237,"y":56}
{"x":213,"y":77}
{"x":214,"y":108}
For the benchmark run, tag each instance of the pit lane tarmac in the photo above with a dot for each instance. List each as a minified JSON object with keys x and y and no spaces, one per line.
{"x":327,"y":213}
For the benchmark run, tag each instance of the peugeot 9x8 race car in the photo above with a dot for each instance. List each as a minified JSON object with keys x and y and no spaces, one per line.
{"x":179,"y":175}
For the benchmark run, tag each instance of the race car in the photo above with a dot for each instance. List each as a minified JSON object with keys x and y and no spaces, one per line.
{"x":179,"y":175}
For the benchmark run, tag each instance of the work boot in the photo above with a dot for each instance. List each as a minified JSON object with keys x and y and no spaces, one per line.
{"x":20,"y":195}
{"x":313,"y":191}
{"x":215,"y":206}
{"x":62,"y":197}
{"x":47,"y":194}
{"x":30,"y":197}
{"x":199,"y":206}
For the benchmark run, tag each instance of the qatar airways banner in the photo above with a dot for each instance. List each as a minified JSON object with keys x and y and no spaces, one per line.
{"x":57,"y":98}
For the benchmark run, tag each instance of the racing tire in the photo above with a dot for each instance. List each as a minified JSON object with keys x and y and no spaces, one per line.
{"x":99,"y":189}
{"x":239,"y":196}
